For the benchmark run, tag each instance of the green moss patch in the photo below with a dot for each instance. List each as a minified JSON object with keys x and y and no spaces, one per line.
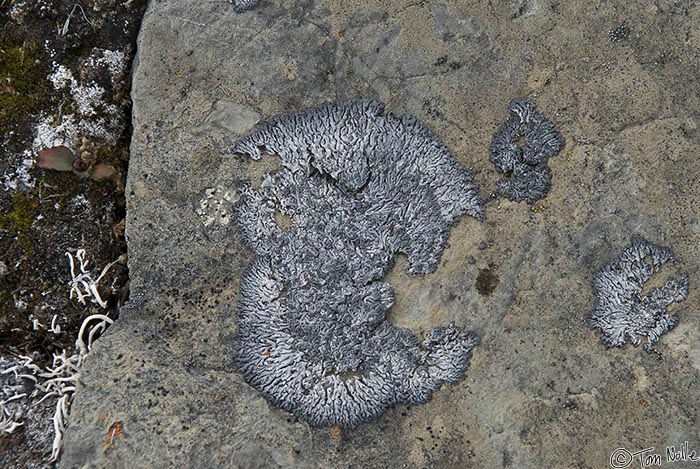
{"x":20,"y":219}
{"x":27,"y":90}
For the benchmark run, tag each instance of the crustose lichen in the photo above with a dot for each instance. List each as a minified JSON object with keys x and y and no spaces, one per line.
{"x":360,"y":186}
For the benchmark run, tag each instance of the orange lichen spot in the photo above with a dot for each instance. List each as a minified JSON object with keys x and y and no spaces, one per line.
{"x":336,"y":433}
{"x":114,"y":433}
{"x":266,"y":353}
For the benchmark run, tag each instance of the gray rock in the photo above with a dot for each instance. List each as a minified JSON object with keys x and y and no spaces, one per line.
{"x":541,"y":390}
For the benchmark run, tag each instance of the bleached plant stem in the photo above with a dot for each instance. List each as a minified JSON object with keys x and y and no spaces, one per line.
{"x":80,"y":343}
{"x":59,"y":380}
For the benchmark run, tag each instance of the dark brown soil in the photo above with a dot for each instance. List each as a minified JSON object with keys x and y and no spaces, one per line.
{"x":56,"y":212}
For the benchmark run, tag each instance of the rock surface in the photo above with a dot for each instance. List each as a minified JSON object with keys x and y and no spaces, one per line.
{"x":542,"y":390}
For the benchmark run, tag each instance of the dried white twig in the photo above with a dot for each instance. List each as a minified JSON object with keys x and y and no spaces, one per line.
{"x":82,"y":285}
{"x":36,"y":325}
{"x":102,"y":325}
{"x":62,"y":377}
{"x":12,"y":393}
{"x":58,"y":381}
{"x":64,"y":30}
{"x":55,"y":328}
{"x":8,"y":423}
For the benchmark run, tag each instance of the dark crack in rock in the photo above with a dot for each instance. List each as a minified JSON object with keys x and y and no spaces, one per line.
{"x":360,"y":187}
{"x":520,"y":149}
{"x":622,"y":312}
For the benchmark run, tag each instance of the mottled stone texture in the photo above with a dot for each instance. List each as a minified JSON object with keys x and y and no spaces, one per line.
{"x":542,"y":389}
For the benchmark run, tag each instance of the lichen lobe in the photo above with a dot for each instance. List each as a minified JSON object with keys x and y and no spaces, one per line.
{"x":520,"y":149}
{"x":360,"y":187}
{"x":622,"y":312}
{"x":244,"y":5}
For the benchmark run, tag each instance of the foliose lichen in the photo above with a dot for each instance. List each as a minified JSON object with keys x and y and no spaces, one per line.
{"x":622,"y":312}
{"x":244,"y":5}
{"x":520,"y":149}
{"x":359,"y":186}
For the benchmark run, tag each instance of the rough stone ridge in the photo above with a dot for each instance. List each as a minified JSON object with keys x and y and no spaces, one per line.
{"x":622,"y":312}
{"x":525,"y":163}
{"x":359,"y":187}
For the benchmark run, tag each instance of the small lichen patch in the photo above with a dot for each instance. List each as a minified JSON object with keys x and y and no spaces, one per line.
{"x":291,"y":69}
{"x":520,"y":150}
{"x":619,"y":33}
{"x":622,"y":311}
{"x":114,"y":433}
{"x":244,"y":5}
{"x":215,"y":207}
{"x":21,"y":176}
{"x":95,"y":108}
{"x":361,"y":187}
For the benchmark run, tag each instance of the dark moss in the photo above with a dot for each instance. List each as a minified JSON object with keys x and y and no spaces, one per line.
{"x":486,"y":282}
{"x":66,"y":185}
{"x":4,"y":300}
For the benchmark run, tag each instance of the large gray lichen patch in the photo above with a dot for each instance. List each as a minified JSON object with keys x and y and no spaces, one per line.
{"x":520,"y":150}
{"x":622,"y":312}
{"x":359,"y":187}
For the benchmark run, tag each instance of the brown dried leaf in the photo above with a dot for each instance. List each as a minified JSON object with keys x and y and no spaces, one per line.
{"x":59,"y":158}
{"x":102,"y":172}
{"x":118,"y":230}
{"x":119,"y":182}
{"x":7,"y":86}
